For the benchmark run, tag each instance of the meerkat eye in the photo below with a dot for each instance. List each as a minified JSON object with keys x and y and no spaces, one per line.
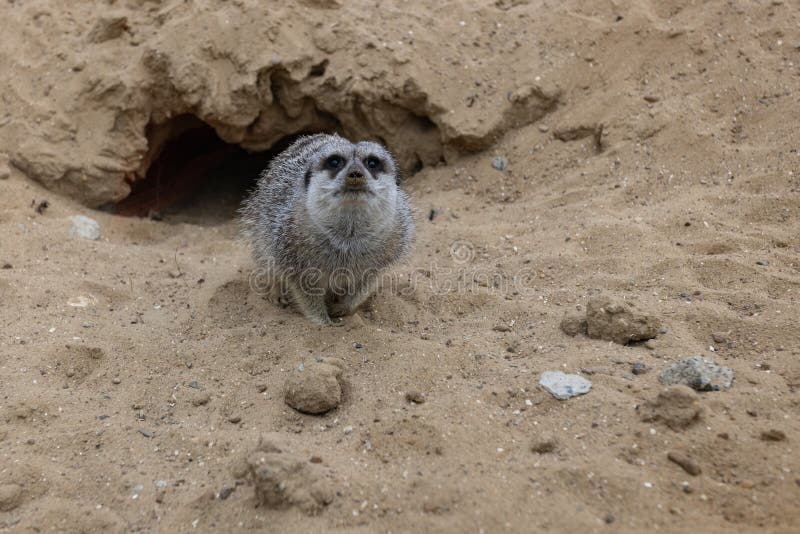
{"x":373,"y":163}
{"x":334,"y":162}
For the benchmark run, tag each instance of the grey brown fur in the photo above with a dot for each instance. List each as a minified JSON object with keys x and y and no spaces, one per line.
{"x":325,"y":229}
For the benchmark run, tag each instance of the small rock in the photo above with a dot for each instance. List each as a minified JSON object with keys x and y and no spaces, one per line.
{"x":501,"y":328}
{"x":746,"y":484}
{"x":347,"y":430}
{"x":146,"y":433}
{"x":315,"y":388}
{"x":651,"y":98}
{"x":544,"y":128}
{"x":10,"y":497}
{"x":773,"y":434}
{"x":7,"y":266}
{"x":500,"y":163}
{"x":563,"y":386}
{"x":544,"y":444}
{"x":358,"y":345}
{"x":678,"y":407}
{"x":609,"y":518}
{"x":572,"y":325}
{"x":618,"y":321}
{"x":261,"y":388}
{"x":639,"y":368}
{"x":84,"y":227}
{"x":650,"y":344}
{"x":226,"y":491}
{"x":201,"y":399}
{"x":234,"y":419}
{"x":5,"y":172}
{"x":194,"y":384}
{"x":107,"y":28}
{"x":719,"y":337}
{"x":41,"y":206}
{"x":688,"y":465}
{"x":116,"y":380}
{"x":415,"y":396}
{"x":698,"y":373}
{"x":762,"y":263}
{"x":315,"y":460}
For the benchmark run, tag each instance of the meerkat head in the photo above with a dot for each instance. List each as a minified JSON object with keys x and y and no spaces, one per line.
{"x":351,"y":183}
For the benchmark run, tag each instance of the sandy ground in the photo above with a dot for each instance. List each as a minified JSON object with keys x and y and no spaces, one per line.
{"x":137,"y":371}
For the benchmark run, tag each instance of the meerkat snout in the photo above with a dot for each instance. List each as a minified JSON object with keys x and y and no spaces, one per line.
{"x":326,"y":218}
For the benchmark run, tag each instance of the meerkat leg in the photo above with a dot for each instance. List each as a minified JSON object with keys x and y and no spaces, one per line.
{"x":311,"y":304}
{"x":349,"y":303}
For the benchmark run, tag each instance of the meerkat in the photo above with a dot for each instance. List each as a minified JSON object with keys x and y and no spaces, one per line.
{"x":325,"y":219}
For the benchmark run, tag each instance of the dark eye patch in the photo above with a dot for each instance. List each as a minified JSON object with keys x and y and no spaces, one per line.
{"x":334,"y":162}
{"x":373,"y":163}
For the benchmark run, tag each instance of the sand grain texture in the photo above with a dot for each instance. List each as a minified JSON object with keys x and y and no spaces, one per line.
{"x":651,"y":155}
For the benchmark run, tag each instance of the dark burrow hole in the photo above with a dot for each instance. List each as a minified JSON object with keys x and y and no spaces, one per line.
{"x":197,"y":177}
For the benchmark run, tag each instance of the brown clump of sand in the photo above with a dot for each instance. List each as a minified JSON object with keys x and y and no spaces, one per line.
{"x":650,"y":157}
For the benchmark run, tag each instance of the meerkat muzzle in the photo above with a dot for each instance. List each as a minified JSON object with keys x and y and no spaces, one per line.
{"x":355,"y":180}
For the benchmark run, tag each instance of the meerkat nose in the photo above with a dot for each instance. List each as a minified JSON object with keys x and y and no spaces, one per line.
{"x":355,"y":176}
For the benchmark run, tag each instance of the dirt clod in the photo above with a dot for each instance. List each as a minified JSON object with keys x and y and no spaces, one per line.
{"x":687,"y":463}
{"x":283,"y":479}
{"x":773,"y":434}
{"x":315,"y":387}
{"x":678,"y":407}
{"x":618,"y":321}
{"x":572,"y":325}
{"x":544,"y":443}
{"x":415,"y":396}
{"x":10,"y":497}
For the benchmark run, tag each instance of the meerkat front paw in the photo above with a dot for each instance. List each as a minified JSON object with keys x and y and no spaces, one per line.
{"x":339,"y":309}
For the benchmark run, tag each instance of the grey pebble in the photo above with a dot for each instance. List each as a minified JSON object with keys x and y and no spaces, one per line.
{"x":500,"y":163}
{"x":639,"y":368}
{"x":699,"y":373}
{"x":146,"y":433}
{"x":194,"y":384}
{"x":762,"y":263}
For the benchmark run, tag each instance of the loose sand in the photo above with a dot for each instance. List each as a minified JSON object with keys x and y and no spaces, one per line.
{"x":653,"y":156}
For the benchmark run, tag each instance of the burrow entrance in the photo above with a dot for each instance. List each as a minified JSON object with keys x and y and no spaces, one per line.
{"x":196,"y":177}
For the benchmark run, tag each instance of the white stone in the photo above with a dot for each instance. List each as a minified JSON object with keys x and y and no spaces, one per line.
{"x":84,"y":227}
{"x":563,"y":386}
